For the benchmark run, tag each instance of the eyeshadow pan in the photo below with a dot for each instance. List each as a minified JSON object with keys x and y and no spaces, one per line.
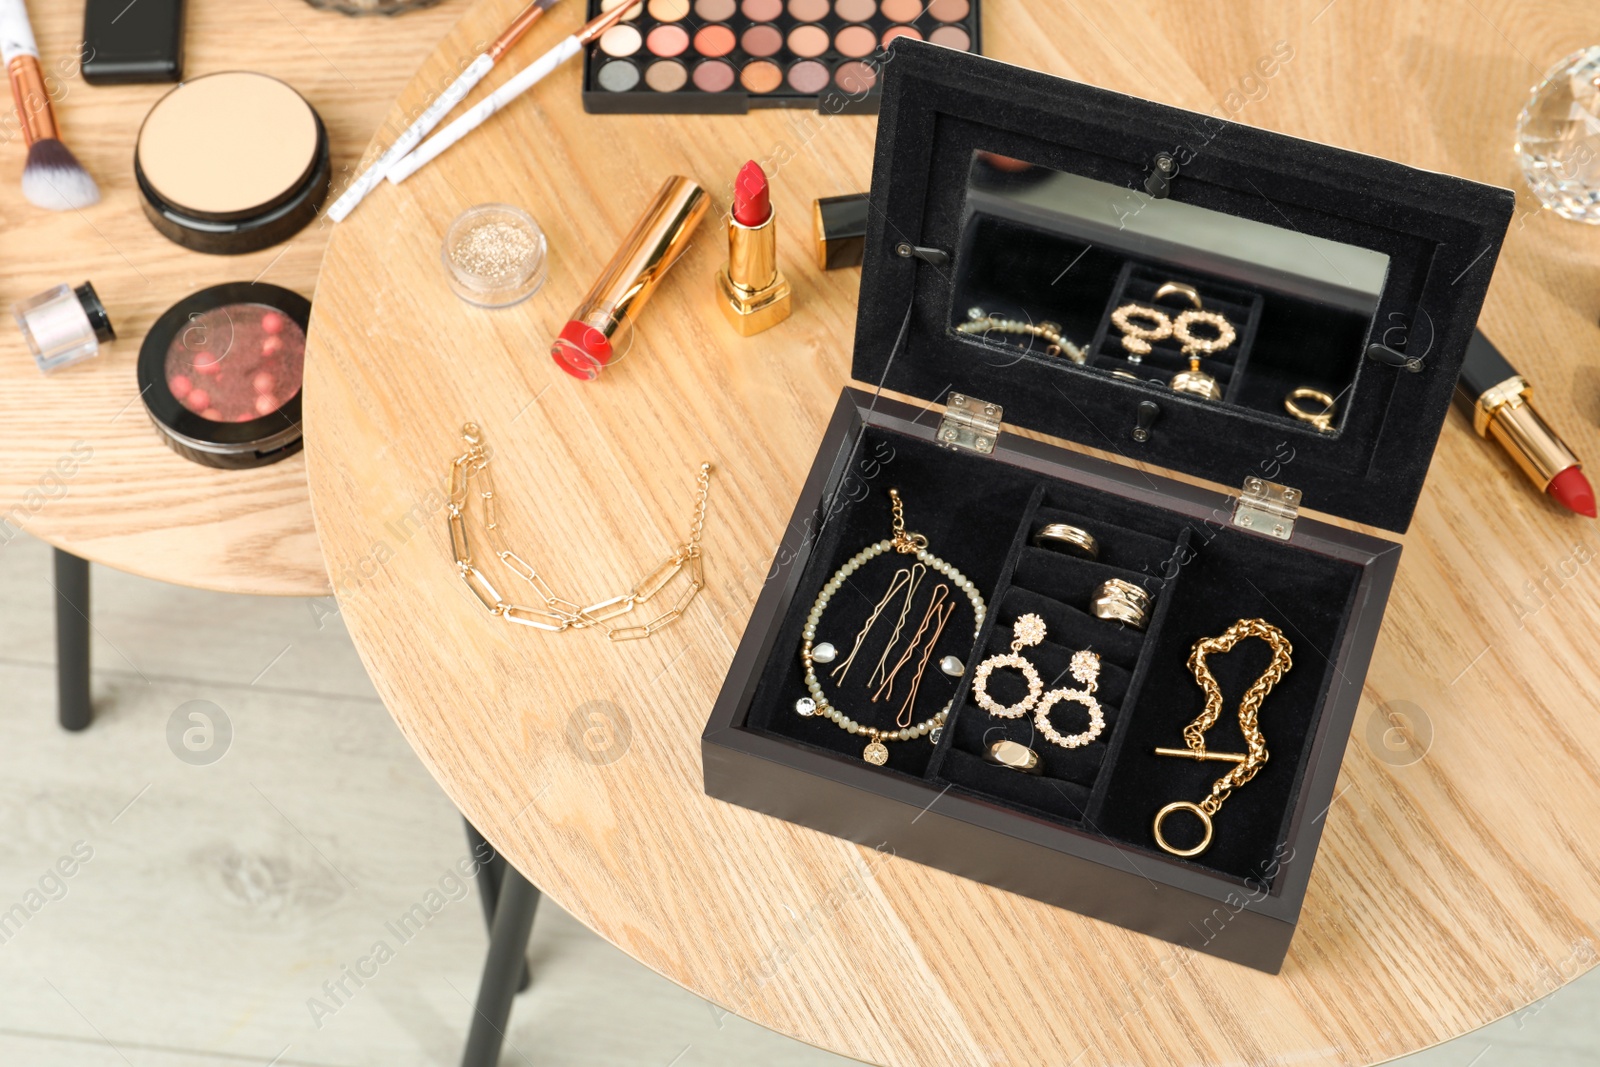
{"x":668,"y":10}
{"x":902,"y":10}
{"x":761,"y":76}
{"x":666,"y":76}
{"x":618,"y":76}
{"x":895,"y":32}
{"x":620,"y":41}
{"x":949,"y":10}
{"x":808,"y":10}
{"x":808,"y":76}
{"x":809,"y":41}
{"x":668,"y":41}
{"x":761,"y":40}
{"x":713,"y":76}
{"x":855,"y":10}
{"x":855,"y":77}
{"x":952,"y":37}
{"x":762,"y":10}
{"x":856,"y":41}
{"x":714,"y":41}
{"x":714,"y":10}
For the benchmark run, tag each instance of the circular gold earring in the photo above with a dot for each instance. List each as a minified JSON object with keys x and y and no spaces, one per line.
{"x":1027,"y":630}
{"x":1136,"y":338}
{"x":1183,"y":330}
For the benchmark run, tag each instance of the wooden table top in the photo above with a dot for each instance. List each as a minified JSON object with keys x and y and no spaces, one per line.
{"x":1451,"y":889}
{"x":126,"y":499}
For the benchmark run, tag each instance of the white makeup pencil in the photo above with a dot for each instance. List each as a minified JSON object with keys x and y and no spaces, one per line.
{"x":53,"y":178}
{"x":524,"y":80}
{"x":436,"y":111}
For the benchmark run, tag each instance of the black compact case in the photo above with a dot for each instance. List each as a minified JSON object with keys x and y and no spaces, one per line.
{"x":1004,"y":193}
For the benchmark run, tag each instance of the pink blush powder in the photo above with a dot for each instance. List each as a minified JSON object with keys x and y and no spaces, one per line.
{"x":236,"y":363}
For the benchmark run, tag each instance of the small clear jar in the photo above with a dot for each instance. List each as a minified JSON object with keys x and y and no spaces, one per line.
{"x":494,"y":256}
{"x":63,"y":326}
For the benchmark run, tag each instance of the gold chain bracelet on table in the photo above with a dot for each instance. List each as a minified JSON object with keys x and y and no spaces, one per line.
{"x":1194,"y":735}
{"x":558,"y":613}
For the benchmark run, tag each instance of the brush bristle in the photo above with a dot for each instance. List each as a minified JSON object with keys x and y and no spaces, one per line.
{"x":54,"y":178}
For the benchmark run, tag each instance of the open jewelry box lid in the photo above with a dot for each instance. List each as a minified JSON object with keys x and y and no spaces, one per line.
{"x":984,"y":188}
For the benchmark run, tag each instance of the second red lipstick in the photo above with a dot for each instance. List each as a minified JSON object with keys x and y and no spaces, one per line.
{"x":752,"y":292}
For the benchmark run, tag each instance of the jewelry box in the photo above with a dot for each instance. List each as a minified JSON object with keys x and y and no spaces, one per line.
{"x":1012,"y":215}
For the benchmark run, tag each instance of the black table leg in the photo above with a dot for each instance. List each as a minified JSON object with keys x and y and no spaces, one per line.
{"x":505,"y":966}
{"x":72,"y":640}
{"x":492,"y":868}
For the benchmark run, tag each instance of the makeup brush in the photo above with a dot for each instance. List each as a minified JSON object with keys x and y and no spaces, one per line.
{"x":53,"y":178}
{"x":446,"y":101}
{"x":524,"y":80}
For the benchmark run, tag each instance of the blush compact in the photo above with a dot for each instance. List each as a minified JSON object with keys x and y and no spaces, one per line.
{"x":232,"y":163}
{"x":220,"y":374}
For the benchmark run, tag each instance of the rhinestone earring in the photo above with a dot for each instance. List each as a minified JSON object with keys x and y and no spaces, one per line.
{"x":1028,"y":630}
{"x":1086,"y":669}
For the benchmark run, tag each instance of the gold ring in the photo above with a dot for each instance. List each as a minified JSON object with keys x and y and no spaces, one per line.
{"x":1192,"y":345}
{"x":1322,"y":420}
{"x":1179,"y":289}
{"x":1018,"y":757}
{"x":1183,"y":805}
{"x":1071,"y":536}
{"x":1196,"y":382}
{"x":1120,"y":601}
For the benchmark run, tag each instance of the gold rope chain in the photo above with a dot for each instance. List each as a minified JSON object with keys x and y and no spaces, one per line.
{"x":558,"y":613}
{"x":1249,"y":708}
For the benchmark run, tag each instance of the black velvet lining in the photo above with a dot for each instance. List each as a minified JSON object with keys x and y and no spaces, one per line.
{"x":1441,"y":234}
{"x":979,"y":514}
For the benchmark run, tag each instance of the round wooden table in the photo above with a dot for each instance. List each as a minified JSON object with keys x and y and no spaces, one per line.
{"x":1453,"y":884}
{"x":83,"y":469}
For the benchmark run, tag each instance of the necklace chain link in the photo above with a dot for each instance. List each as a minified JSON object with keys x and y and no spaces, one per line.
{"x":1194,"y":734}
{"x":557,"y":613}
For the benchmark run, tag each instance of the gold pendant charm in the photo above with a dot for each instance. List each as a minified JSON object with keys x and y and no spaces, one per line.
{"x":876,"y":754}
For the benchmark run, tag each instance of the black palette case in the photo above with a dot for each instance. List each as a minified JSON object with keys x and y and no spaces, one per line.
{"x":1001,"y":193}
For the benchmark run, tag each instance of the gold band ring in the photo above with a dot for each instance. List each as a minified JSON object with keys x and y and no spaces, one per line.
{"x":1081,"y":541}
{"x":1179,"y":289}
{"x":1183,"y":805}
{"x":1322,"y":420}
{"x":1121,"y":601}
{"x":1018,"y":757}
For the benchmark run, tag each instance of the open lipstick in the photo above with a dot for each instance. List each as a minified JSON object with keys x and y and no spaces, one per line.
{"x":1502,"y":409}
{"x":603,"y":322}
{"x":750,"y":289}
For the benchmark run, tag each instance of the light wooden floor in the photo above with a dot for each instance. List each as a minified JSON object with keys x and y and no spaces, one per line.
{"x":218,"y":899}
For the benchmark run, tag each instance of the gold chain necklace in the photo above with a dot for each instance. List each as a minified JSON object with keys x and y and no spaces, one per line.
{"x":1194,"y":735}
{"x":558,"y":613}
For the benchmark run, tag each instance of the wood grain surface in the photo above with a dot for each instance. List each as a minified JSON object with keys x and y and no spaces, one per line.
{"x":80,"y":465}
{"x":1456,"y":881}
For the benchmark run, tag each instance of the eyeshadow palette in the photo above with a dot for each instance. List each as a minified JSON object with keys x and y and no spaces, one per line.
{"x":728,"y":56}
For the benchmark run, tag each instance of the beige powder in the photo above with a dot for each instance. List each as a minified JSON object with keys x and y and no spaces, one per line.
{"x":227,"y":143}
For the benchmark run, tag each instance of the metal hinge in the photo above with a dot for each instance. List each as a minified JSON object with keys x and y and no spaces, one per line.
{"x":1267,"y":508}
{"x":970,"y":424}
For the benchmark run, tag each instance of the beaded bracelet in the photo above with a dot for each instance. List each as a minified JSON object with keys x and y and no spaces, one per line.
{"x":817,"y":703}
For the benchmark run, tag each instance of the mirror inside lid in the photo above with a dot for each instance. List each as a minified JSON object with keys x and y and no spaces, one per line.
{"x":1167,"y":286}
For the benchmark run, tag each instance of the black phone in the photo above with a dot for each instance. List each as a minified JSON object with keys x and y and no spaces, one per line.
{"x":125,"y":42}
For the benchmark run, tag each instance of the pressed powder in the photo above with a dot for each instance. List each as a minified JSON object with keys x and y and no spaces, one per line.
{"x":232,"y":163}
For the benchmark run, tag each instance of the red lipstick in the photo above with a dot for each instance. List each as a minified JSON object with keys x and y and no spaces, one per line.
{"x":1502,"y":409}
{"x":751,"y":291}
{"x":603,"y":322}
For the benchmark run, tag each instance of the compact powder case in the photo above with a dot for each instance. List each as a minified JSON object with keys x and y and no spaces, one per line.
{"x":220,"y":374}
{"x":232,"y":163}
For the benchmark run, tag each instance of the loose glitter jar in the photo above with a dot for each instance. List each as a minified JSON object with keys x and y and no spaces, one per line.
{"x":220,"y":374}
{"x":63,"y":326}
{"x":494,"y":255}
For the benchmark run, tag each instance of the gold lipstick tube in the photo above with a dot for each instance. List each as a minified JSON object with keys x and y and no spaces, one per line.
{"x":752,"y":292}
{"x":602,"y":324}
{"x":1504,"y":413}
